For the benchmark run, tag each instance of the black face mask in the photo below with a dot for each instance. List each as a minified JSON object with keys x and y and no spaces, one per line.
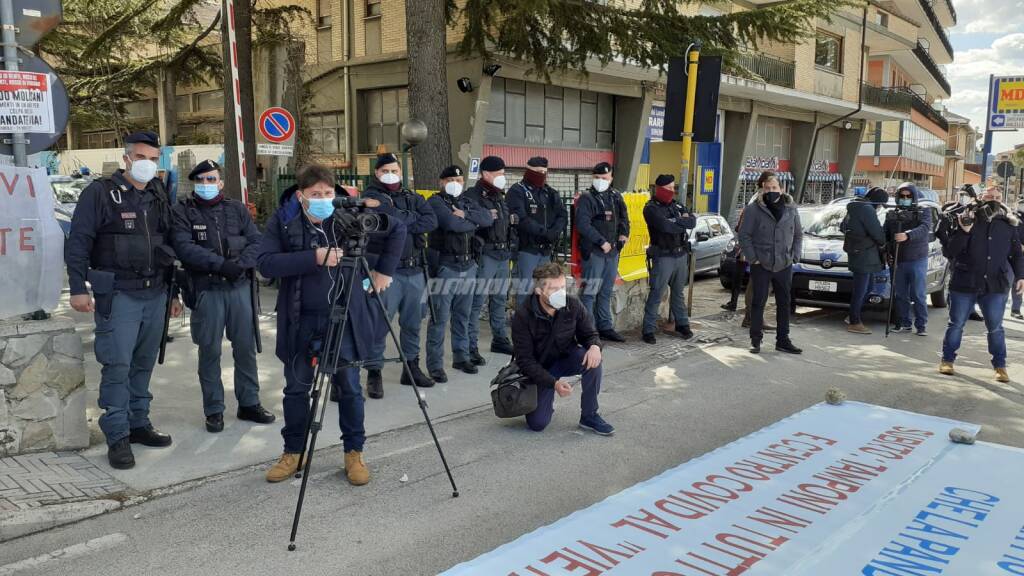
{"x":772,"y":197}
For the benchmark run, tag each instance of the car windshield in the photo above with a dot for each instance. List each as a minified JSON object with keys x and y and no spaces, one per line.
{"x":827,"y":221}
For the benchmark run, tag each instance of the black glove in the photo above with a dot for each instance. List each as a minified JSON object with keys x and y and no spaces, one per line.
{"x":231,"y":270}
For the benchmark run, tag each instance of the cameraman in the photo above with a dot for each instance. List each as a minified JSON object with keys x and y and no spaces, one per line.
{"x":981,"y":252}
{"x":907,"y":230}
{"x":864,"y":245}
{"x":300,"y":247}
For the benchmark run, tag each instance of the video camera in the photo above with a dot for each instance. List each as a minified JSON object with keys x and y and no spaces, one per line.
{"x":352,"y":221}
{"x":968,"y":210}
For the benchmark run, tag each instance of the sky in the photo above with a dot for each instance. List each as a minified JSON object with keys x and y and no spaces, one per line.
{"x":988,"y":39}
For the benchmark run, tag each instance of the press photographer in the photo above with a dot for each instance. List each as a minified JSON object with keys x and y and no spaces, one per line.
{"x":907,"y":230}
{"x":983,"y":252}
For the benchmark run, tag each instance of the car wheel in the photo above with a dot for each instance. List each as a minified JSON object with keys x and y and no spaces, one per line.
{"x":724,"y":279}
{"x":939,"y":297}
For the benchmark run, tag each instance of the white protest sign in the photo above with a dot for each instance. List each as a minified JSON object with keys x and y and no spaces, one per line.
{"x":31,"y":243}
{"x":830,"y":491}
{"x":26,"y":103}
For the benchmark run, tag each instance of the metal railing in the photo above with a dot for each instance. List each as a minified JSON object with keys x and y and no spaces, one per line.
{"x":919,"y":104}
{"x":888,"y":98}
{"x":927,"y":7}
{"x":770,"y":69}
{"x":929,"y":63}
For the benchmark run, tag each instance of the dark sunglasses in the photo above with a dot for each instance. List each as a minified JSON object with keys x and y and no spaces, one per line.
{"x":210,"y":179}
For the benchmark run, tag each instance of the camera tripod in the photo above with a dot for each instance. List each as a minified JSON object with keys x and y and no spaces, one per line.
{"x":328,"y":362}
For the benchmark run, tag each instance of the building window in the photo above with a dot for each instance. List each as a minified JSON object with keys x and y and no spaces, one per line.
{"x":142,"y":109}
{"x":828,"y":52}
{"x":882,"y":19}
{"x":210,"y":101}
{"x":327,"y":132}
{"x":528,"y":113}
{"x":323,"y":13}
{"x":183,"y":103}
{"x":384,"y":112}
{"x":96,"y":140}
{"x":373,"y":8}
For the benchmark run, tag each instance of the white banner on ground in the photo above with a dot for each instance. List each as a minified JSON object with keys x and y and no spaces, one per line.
{"x":833,"y":490}
{"x":31,"y":243}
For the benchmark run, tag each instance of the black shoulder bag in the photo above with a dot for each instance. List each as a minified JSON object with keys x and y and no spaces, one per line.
{"x":513,"y":394}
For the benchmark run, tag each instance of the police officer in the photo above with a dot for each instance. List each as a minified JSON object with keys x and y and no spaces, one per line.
{"x":405,"y":297}
{"x":541,"y":219}
{"x":451,"y":247}
{"x":217,"y":241}
{"x":603,"y":225}
{"x":301,"y":246}
{"x":120,"y":242}
{"x":669,"y":224}
{"x":495,"y":244}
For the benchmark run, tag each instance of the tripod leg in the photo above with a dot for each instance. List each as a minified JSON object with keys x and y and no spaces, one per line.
{"x":405,"y":368}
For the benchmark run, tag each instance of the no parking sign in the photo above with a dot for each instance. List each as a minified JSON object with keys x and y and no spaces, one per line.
{"x":277,"y":126}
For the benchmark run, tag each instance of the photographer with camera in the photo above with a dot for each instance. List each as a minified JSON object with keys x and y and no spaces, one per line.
{"x":984,"y":251}
{"x":303,"y":244}
{"x":908,"y":230}
{"x":864,"y":244}
{"x":405,"y":297}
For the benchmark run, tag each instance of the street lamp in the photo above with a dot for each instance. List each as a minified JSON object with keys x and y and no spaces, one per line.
{"x":413,"y":132}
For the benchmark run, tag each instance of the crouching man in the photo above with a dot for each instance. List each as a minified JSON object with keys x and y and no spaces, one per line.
{"x":553,"y":337}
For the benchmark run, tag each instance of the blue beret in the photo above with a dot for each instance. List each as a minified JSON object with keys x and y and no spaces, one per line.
{"x":451,"y":172}
{"x":384,"y":160}
{"x":492,"y":164}
{"x":202,"y":168}
{"x":143,"y":137}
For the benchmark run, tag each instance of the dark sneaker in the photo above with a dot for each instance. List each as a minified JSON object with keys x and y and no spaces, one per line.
{"x":149,"y":436}
{"x":501,"y":347}
{"x":611,"y":336}
{"x":730,"y":306}
{"x":899,"y":328}
{"x":788,"y":348}
{"x":438,"y":376}
{"x":755,"y":347}
{"x":597,"y":425}
{"x":418,"y":376}
{"x":215,"y":422}
{"x":922,"y":332}
{"x":120,"y":456}
{"x":476,"y":358}
{"x":649,"y":338}
{"x":466,"y":366}
{"x":256,"y":414}
{"x":685,"y":332}
{"x":1017,"y":315}
{"x":374,"y":384}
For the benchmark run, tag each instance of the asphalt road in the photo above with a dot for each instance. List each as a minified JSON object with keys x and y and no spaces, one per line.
{"x":512,"y":481}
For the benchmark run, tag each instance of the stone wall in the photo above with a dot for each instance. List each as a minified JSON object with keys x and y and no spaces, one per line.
{"x":42,"y":387}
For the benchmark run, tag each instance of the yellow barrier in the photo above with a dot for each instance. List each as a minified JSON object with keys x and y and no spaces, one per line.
{"x":633,"y":260}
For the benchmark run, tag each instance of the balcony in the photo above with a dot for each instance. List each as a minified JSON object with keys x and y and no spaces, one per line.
{"x":888,"y":98}
{"x":945,"y":9}
{"x":924,"y":108}
{"x":769,"y":69}
{"x":828,"y":83}
{"x":932,"y":67}
{"x":936,"y":24}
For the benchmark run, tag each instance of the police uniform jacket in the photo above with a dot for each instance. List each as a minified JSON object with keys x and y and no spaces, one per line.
{"x":206,"y":235}
{"x":498,"y":240}
{"x":412,"y":210}
{"x":540,"y":216}
{"x":453,"y":242}
{"x":600,"y":217}
{"x":669,"y":226}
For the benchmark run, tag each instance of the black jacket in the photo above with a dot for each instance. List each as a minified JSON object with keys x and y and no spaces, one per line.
{"x":205,"y":236}
{"x":412,"y":210}
{"x":600,"y":217}
{"x":534,"y":347}
{"x":864,"y":237}
{"x":540,"y":216}
{"x":669,"y":226}
{"x":498,"y":240}
{"x":981,"y":257}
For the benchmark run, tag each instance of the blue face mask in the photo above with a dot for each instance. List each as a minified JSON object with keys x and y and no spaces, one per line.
{"x":207,"y":191}
{"x":905,"y":202}
{"x":321,"y":208}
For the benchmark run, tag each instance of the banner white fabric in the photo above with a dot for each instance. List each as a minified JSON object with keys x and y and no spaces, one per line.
{"x":830,"y":491}
{"x":31,"y":243}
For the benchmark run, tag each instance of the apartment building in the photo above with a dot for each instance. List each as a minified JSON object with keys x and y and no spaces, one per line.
{"x":961,"y":147}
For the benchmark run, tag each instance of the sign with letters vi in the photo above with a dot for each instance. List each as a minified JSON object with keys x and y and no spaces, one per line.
{"x":853,"y":489}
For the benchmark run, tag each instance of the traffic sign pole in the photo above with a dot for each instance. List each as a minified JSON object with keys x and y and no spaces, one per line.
{"x":987,"y":149}
{"x":229,"y":14}
{"x":11,"y":64}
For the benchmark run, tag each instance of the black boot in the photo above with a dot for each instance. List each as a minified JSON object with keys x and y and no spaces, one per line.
{"x":649,"y":338}
{"x":120,"y":455}
{"x":730,"y":306}
{"x":374,"y":384}
{"x":685,"y":332}
{"x":256,"y":414}
{"x":215,"y":422}
{"x":788,"y":348}
{"x":501,"y":347}
{"x":149,"y":436}
{"x":755,"y":346}
{"x":611,"y":335}
{"x":466,"y":366}
{"x":421,"y":379}
{"x":438,"y":375}
{"x":476,"y":358}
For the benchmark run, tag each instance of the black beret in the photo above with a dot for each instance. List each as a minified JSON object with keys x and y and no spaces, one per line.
{"x":143,"y":137}
{"x":492,"y":164}
{"x":602,"y":168}
{"x":877,"y":195}
{"x":385,"y":159}
{"x":202,"y":168}
{"x":664,"y":180}
{"x":537,"y":162}
{"x":451,"y":172}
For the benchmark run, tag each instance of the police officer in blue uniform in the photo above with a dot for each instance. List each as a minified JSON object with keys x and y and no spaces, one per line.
{"x":668,"y":257}
{"x":541,"y":219}
{"x":454,"y":263}
{"x":217,"y":241}
{"x":495,"y":244}
{"x":603,"y":225}
{"x":120,"y":242}
{"x":405,"y":296}
{"x":300,"y":247}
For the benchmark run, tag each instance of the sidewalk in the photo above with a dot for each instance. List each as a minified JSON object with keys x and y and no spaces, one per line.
{"x":40,"y":491}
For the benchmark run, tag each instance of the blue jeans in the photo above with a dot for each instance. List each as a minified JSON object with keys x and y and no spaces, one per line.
{"x":599,"y":273}
{"x":992,"y":308}
{"x":404,"y":297}
{"x":571,"y":365}
{"x":909,"y":286}
{"x":454,"y":302}
{"x":215,"y":312}
{"x":492,"y":285}
{"x":526,"y":263}
{"x":127,"y":344}
{"x":672,"y":272}
{"x":861,"y":285}
{"x":298,"y":377}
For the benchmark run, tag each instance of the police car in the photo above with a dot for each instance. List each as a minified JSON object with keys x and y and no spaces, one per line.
{"x":823,"y":279}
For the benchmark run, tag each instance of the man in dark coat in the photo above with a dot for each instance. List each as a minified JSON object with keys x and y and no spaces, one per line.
{"x":864,"y":245}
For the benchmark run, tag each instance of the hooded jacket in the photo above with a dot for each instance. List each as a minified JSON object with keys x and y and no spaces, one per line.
{"x":864,"y":240}
{"x":774,"y":244}
{"x":916,"y":245}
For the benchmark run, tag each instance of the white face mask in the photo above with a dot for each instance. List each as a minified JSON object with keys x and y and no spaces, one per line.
{"x":390,"y":178}
{"x":600,"y":184}
{"x":499,"y":182}
{"x":557,"y":299}
{"x":453,"y":189}
{"x":143,"y":171}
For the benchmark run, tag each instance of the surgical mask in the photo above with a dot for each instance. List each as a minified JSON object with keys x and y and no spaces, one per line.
{"x":499,"y":182}
{"x":557,"y":299}
{"x":904,"y":202}
{"x":207,"y":191}
{"x":390,"y":178}
{"x":453,"y":189}
{"x":600,"y":184}
{"x":965,"y":200}
{"x":320,"y":208}
{"x":143,"y":171}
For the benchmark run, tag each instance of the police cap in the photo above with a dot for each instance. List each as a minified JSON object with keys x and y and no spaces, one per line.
{"x":664,"y":180}
{"x":202,"y":168}
{"x":143,"y":137}
{"x":602,"y":168}
{"x":537,"y":162}
{"x":384,"y":160}
{"x":492,"y":164}
{"x":451,"y":172}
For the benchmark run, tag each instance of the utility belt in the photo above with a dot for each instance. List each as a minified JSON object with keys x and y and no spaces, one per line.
{"x":658,"y":251}
{"x":205,"y":281}
{"x":497,"y":246}
{"x":128,"y":285}
{"x":413,"y":262}
{"x":453,"y":257}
